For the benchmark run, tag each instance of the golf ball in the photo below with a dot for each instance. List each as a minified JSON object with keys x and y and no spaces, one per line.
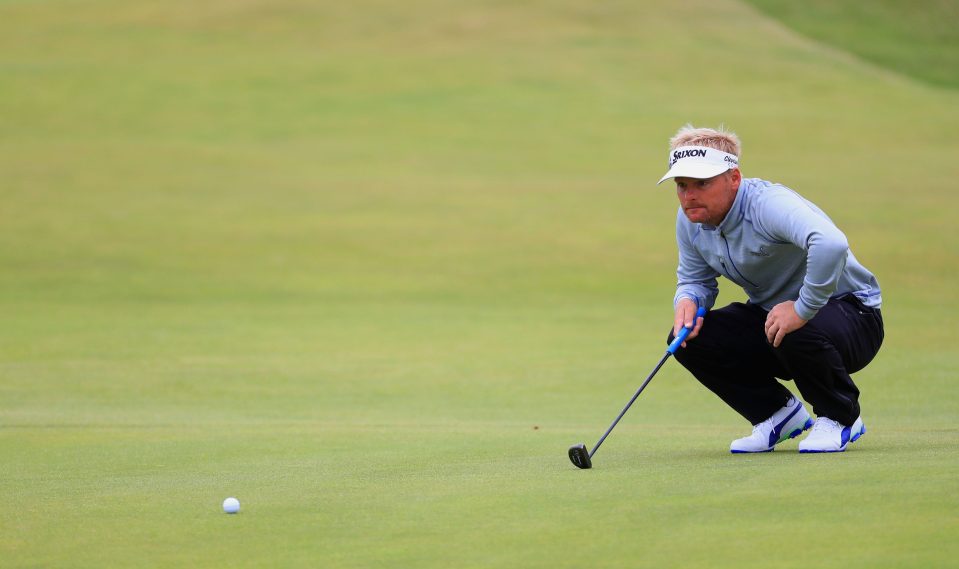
{"x":231,"y":505}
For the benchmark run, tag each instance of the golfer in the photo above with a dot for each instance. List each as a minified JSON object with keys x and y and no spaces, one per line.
{"x":813,"y":311}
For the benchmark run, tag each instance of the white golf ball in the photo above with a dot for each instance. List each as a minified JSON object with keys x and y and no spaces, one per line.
{"x":231,"y":505}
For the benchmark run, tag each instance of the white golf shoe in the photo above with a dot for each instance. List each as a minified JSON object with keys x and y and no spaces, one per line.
{"x":788,"y":422}
{"x":829,"y":436}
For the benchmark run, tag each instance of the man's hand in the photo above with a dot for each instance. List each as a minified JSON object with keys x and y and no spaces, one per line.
{"x":782,"y":320}
{"x":686,"y":317}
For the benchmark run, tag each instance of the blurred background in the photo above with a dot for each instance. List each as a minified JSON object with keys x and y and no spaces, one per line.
{"x":237,"y":236}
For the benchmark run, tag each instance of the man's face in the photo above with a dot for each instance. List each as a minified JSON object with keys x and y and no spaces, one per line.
{"x":708,"y":201}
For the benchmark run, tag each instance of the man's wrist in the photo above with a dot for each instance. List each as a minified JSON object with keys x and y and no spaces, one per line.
{"x":803,"y":310}
{"x":685,"y":296}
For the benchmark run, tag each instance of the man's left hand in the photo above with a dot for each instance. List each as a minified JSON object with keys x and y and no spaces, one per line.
{"x":781,"y":320}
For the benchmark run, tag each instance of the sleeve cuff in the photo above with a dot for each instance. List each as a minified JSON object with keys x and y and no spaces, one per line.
{"x":804,"y":311}
{"x":688,"y":295}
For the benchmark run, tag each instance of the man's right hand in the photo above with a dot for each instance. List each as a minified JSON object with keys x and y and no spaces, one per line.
{"x":686,"y":317}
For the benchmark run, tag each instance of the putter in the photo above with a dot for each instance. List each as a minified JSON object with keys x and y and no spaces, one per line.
{"x":578,"y":454}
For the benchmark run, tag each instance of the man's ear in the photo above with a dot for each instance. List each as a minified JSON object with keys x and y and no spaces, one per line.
{"x":735,"y":175}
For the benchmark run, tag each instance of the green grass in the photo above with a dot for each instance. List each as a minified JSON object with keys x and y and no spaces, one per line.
{"x":918,"y":39}
{"x":372,"y":268}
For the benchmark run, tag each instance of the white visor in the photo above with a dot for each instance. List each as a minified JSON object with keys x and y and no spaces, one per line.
{"x":698,"y":162}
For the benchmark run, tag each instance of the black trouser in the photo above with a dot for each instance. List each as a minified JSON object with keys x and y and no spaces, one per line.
{"x":732,"y":357}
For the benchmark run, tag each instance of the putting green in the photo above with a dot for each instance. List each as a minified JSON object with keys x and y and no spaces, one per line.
{"x":372,"y":267}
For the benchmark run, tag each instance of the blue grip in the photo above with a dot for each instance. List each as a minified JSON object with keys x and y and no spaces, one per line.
{"x":684,"y":333}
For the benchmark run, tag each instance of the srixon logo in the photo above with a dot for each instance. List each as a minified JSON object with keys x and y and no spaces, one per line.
{"x":693,"y":153}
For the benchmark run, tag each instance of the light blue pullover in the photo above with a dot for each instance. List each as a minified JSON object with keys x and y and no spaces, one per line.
{"x":777,"y":246}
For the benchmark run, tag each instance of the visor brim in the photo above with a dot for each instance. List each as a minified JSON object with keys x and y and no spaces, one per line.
{"x":687,"y":169}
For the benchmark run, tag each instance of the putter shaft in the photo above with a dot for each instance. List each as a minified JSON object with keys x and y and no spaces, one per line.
{"x":628,"y":405}
{"x":574,"y":452}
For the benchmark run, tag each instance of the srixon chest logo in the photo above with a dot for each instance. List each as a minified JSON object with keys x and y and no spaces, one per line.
{"x":693,"y":153}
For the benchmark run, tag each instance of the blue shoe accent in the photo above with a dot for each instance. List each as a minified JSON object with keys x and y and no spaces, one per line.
{"x":750,"y":451}
{"x":774,"y":435}
{"x":825,"y":440}
{"x":859,"y":434}
{"x":806,"y":427}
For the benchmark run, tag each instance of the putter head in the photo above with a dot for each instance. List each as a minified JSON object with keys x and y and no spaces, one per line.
{"x":579,"y":456}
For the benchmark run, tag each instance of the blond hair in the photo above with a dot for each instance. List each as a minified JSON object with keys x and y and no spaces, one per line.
{"x":721,"y":139}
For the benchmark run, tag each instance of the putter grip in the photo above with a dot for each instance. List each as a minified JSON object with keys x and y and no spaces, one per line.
{"x":684,"y":333}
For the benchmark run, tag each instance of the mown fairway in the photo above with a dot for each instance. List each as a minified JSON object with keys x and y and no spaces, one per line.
{"x":372,"y":267}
